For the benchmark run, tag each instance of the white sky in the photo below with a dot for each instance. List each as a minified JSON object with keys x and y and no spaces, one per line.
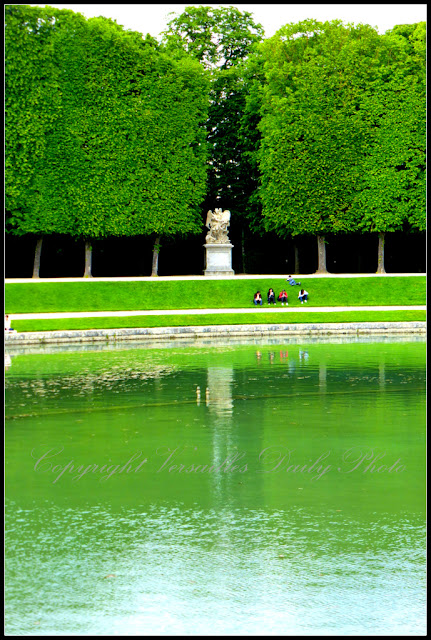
{"x":153,"y":18}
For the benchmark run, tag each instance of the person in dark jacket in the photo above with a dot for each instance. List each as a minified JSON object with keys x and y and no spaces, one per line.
{"x":271,"y":296}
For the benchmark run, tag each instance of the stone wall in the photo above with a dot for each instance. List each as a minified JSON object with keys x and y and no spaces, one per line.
{"x":252,"y":330}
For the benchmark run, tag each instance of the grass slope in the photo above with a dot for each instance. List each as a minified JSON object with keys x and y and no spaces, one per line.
{"x":200,"y":294}
{"x":217,"y":319}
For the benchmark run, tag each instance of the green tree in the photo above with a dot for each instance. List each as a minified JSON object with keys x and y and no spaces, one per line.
{"x":222,"y":39}
{"x":313,"y":141}
{"x":128,"y":144}
{"x":392,"y":193}
{"x":32,"y":102}
{"x":217,"y":37}
{"x":126,"y":154}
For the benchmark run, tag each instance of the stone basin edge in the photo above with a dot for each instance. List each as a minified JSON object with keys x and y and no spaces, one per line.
{"x":167,"y":333}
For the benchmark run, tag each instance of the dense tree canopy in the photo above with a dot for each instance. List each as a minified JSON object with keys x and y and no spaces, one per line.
{"x":313,"y":140}
{"x":392,"y":192}
{"x":127,"y":156}
{"x":32,"y":103}
{"x":342,"y":131}
{"x":125,"y":153}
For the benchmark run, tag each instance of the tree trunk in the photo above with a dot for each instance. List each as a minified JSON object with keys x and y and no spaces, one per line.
{"x":155,"y":264}
{"x":296,"y":252}
{"x":321,"y":252}
{"x":36,"y":264}
{"x":381,"y":254}
{"x":88,"y":259}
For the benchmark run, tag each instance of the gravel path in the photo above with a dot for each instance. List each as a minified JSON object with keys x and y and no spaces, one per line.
{"x":235,"y":277}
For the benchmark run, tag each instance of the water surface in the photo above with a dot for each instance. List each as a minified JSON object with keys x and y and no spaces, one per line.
{"x":267,"y":488}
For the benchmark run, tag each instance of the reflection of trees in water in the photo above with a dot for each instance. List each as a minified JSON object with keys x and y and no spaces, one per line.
{"x":219,"y":341}
{"x":88,"y":386}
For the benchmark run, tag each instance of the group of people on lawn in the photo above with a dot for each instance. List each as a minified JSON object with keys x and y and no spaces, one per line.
{"x":282,"y":296}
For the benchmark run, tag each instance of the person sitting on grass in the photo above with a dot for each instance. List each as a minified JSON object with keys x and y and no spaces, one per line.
{"x":303,"y":295}
{"x":282,"y":296}
{"x":257,"y":298}
{"x":291,"y":281}
{"x":271,"y":296}
{"x":7,"y":322}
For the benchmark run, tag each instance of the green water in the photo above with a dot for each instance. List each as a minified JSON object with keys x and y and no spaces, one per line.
{"x":287,"y":498}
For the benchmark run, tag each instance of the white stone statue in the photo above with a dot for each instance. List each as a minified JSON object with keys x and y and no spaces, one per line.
{"x":217,"y":223}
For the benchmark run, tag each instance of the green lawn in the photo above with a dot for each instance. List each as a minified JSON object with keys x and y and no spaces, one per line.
{"x":41,"y":297}
{"x":218,"y":319}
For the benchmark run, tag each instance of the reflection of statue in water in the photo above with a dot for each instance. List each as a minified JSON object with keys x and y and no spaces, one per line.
{"x":217,"y":224}
{"x":219,"y":391}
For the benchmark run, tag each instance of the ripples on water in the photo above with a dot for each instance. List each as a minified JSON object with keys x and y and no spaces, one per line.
{"x":177,"y":570}
{"x":217,"y":553}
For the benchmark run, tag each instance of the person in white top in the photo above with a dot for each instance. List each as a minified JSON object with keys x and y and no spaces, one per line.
{"x":7,"y":326}
{"x":303,"y":295}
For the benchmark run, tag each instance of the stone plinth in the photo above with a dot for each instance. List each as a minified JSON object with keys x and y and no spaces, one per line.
{"x":218,"y":260}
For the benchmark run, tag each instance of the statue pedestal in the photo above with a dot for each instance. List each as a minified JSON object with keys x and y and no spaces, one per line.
{"x":218,"y":260}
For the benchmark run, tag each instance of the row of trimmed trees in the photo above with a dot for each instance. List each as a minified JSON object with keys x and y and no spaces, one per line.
{"x":317,"y":130}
